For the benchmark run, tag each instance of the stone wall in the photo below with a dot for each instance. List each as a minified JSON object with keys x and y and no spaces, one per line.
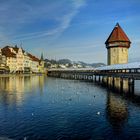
{"x":117,"y":55}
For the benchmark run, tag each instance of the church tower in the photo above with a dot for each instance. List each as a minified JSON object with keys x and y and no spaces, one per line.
{"x":117,"y":46}
{"x":42,"y":58}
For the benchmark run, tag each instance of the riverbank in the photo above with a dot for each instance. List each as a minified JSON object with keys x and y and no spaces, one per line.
{"x":15,"y":74}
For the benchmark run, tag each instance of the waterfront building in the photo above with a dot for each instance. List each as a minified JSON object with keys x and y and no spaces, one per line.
{"x":34,"y":63}
{"x":20,"y":61}
{"x":27,"y":63}
{"x":2,"y":62}
{"x":2,"y":59}
{"x":11,"y":60}
{"x":20,"y":58}
{"x":117,"y":46}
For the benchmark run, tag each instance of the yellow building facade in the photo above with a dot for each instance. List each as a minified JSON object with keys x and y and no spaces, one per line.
{"x":117,"y":55}
{"x":20,"y":61}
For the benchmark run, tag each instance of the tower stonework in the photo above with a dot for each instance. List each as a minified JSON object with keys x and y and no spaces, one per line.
{"x":117,"y":46}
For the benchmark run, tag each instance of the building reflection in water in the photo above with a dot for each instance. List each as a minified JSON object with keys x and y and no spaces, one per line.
{"x":121,"y":85}
{"x":13,"y":88}
{"x":117,"y":112}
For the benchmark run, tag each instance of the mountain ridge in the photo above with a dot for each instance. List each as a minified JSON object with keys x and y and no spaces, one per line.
{"x":67,"y":63}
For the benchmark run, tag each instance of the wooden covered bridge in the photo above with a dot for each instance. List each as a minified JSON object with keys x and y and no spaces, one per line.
{"x":119,"y":76}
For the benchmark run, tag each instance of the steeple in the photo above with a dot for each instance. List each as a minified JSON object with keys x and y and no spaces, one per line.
{"x":117,"y":35}
{"x":42,"y":58}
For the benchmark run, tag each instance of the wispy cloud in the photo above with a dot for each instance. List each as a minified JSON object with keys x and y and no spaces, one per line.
{"x":17,"y":17}
{"x":74,"y":28}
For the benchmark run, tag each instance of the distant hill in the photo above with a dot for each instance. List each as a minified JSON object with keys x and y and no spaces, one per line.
{"x":66,"y":63}
{"x":95,"y":65}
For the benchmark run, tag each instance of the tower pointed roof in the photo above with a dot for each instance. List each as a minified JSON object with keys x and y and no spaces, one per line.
{"x":117,"y":35}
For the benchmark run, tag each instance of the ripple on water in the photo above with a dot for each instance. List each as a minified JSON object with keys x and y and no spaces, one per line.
{"x":49,"y":108}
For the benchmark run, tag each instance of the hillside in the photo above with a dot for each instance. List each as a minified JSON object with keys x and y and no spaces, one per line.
{"x":66,"y":63}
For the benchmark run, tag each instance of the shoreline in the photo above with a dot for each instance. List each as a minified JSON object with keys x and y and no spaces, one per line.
{"x":32,"y":74}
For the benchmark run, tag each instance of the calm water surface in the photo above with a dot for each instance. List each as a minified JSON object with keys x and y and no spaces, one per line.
{"x":38,"y":107}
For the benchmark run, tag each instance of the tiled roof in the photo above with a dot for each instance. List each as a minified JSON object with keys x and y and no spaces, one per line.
{"x":15,"y":49}
{"x":33,"y":57}
{"x":117,"y":35}
{"x":7,"y":52}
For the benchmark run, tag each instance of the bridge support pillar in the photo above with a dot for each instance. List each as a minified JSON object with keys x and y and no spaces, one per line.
{"x":113,"y":83}
{"x":131,"y":86}
{"x":95,"y":78}
{"x":84,"y":77}
{"x":121,"y":84}
{"x":110,"y":82}
{"x":103,"y":80}
{"x":107,"y":81}
{"x":99,"y":79}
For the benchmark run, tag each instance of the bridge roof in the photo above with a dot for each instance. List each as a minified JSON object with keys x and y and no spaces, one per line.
{"x":134,"y":65}
{"x":117,"y":34}
{"x":72,"y":69}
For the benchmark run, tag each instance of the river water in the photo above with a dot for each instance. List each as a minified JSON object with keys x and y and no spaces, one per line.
{"x":39,"y":107}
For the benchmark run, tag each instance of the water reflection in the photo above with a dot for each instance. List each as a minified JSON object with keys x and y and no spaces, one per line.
{"x":117,"y":111}
{"x":37,"y":107}
{"x":12,"y":88}
{"x":117,"y":115}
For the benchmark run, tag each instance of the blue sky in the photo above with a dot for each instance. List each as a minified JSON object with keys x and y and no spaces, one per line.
{"x":74,"y":29}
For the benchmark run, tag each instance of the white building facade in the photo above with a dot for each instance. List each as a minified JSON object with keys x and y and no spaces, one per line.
{"x":20,"y":61}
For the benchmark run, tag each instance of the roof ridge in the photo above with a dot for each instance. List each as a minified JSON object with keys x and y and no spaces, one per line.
{"x":117,"y":34}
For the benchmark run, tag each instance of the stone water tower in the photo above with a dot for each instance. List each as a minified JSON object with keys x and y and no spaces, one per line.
{"x":117,"y":46}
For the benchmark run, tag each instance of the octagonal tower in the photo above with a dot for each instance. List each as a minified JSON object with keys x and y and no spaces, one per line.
{"x":117,"y":46}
